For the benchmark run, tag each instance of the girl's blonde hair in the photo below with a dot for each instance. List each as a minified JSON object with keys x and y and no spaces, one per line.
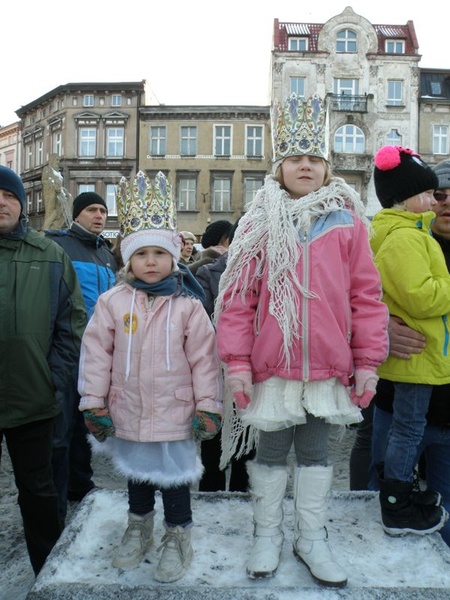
{"x":278,"y":176}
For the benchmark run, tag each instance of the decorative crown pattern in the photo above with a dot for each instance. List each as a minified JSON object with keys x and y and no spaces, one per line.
{"x":145,"y":204}
{"x":299,"y":127}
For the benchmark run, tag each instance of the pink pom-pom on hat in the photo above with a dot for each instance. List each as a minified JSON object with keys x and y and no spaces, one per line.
{"x":389,"y":157}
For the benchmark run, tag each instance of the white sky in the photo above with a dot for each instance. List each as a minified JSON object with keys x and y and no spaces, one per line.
{"x":194,"y":52}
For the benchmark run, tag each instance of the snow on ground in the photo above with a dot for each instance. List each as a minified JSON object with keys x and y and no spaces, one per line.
{"x":221,"y":540}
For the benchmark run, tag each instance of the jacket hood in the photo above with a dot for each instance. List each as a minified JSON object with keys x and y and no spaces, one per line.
{"x":390,"y":219}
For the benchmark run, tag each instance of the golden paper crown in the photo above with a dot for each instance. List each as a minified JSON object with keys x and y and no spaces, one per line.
{"x":145,"y":204}
{"x":299,"y":127}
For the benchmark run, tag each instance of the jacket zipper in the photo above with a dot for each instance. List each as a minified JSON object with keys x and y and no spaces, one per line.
{"x":304,"y":323}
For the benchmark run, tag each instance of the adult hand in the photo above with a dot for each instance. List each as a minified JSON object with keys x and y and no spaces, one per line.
{"x":404,"y":341}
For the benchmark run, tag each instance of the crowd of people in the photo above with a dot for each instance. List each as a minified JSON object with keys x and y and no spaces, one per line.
{"x":180,"y":357}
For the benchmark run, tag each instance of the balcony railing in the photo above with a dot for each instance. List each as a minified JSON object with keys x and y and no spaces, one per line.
{"x":347,"y":103}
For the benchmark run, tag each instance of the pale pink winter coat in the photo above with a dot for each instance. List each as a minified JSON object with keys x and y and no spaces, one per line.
{"x":153,"y":379}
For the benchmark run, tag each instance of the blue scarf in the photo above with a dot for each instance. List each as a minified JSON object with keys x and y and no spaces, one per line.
{"x":179,"y":283}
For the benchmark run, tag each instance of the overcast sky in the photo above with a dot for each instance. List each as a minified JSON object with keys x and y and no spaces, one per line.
{"x":195,"y":52}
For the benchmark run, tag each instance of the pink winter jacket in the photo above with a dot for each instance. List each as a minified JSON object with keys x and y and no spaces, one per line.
{"x":153,"y":378}
{"x":344,"y":327}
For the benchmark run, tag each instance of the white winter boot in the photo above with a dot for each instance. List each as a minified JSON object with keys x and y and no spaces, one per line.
{"x":136,"y":541}
{"x":267,"y":487}
{"x":311,"y":491}
{"x":177,"y":554}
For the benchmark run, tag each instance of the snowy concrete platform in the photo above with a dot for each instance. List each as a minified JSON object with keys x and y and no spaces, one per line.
{"x":379,"y":566}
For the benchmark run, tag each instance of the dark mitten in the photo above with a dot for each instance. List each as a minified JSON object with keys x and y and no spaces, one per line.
{"x":206,"y":425}
{"x":99,"y":423}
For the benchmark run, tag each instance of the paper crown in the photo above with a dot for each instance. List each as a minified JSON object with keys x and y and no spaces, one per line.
{"x":299,"y":127}
{"x":145,"y":204}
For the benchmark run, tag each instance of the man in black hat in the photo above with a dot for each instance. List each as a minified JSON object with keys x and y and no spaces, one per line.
{"x":96,"y":267}
{"x":42,"y":319}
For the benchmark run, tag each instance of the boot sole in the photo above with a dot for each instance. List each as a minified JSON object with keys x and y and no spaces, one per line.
{"x":260,"y":574}
{"x":399,"y":531}
{"x":323,"y":583}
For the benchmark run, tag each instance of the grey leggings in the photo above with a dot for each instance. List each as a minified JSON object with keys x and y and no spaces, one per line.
{"x":310,"y":444}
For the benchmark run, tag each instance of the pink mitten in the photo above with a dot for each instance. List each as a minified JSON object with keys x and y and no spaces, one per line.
{"x":239,"y":380}
{"x":366,"y":380}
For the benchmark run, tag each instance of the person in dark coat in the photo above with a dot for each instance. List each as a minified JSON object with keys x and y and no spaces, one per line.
{"x":208,"y":275}
{"x":42,"y":319}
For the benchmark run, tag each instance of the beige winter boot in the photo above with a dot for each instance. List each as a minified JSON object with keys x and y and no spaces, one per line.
{"x":136,"y":541}
{"x":312,"y":486}
{"x":177,"y":554}
{"x":267,"y":487}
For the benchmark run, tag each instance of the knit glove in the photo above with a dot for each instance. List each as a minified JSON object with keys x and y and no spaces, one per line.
{"x":239,"y":380}
{"x":206,"y":425}
{"x":99,"y":423}
{"x":363,"y":391}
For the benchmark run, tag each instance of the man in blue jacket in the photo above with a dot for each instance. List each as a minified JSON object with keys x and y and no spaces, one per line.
{"x":42,"y":319}
{"x":96,"y":267}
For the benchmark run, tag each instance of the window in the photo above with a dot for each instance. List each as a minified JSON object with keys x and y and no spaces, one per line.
{"x":157,"y":141}
{"x":188,"y":141}
{"x":29,"y":157}
{"x":87,"y":142}
{"x":349,"y":139}
{"x":88,"y":100}
{"x":395,"y":93}
{"x":85,"y":187}
{"x":57,"y":143}
{"x":39,"y":153}
{"x":440,"y":139}
{"x":29,"y":203}
{"x":221,"y":199}
{"x":251,"y":186}
{"x":222,"y":140}
{"x":39,"y":202}
{"x":395,"y":47}
{"x":111,"y":199}
{"x":436,"y":89}
{"x":346,"y":41}
{"x":393,"y":138}
{"x":254,"y":140}
{"x":116,"y":100}
{"x":114,"y":141}
{"x":346,"y":87}
{"x":298,"y":44}
{"x":297,"y":86}
{"x":187,"y":192}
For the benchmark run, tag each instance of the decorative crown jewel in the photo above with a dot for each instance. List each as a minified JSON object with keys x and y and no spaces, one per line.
{"x":145,"y":204}
{"x":299,"y":127}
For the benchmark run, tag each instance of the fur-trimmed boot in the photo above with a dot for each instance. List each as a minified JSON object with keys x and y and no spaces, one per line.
{"x":176,"y":556}
{"x":312,"y":487}
{"x":136,"y":541}
{"x":267,"y":487}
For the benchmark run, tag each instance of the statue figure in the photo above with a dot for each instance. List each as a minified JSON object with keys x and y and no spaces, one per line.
{"x":57,"y":200}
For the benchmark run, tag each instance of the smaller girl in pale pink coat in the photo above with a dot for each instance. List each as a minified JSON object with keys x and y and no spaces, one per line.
{"x":149,"y":377}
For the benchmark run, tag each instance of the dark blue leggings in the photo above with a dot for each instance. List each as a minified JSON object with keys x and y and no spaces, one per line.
{"x":176,"y":502}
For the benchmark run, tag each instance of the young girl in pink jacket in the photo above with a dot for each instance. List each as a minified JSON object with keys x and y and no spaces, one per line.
{"x":302,"y":330}
{"x":149,"y":377}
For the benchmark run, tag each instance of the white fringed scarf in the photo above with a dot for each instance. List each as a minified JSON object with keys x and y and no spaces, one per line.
{"x":269,"y":233}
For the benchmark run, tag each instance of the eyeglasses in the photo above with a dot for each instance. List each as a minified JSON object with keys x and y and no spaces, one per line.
{"x":440,"y":196}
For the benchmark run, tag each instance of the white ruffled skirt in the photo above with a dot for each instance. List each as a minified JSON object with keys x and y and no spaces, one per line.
{"x":164,"y":464}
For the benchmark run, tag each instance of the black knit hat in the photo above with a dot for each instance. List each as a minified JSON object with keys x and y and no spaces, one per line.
{"x":215,"y":232}
{"x":400,"y":174}
{"x":11,"y":182}
{"x":86,"y":199}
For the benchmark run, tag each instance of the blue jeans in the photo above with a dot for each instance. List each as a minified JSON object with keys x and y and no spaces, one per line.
{"x":436,"y":445}
{"x":411,"y":402}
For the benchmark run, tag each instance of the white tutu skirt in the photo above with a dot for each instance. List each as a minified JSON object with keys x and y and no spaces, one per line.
{"x":164,"y":464}
{"x":280,"y":403}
